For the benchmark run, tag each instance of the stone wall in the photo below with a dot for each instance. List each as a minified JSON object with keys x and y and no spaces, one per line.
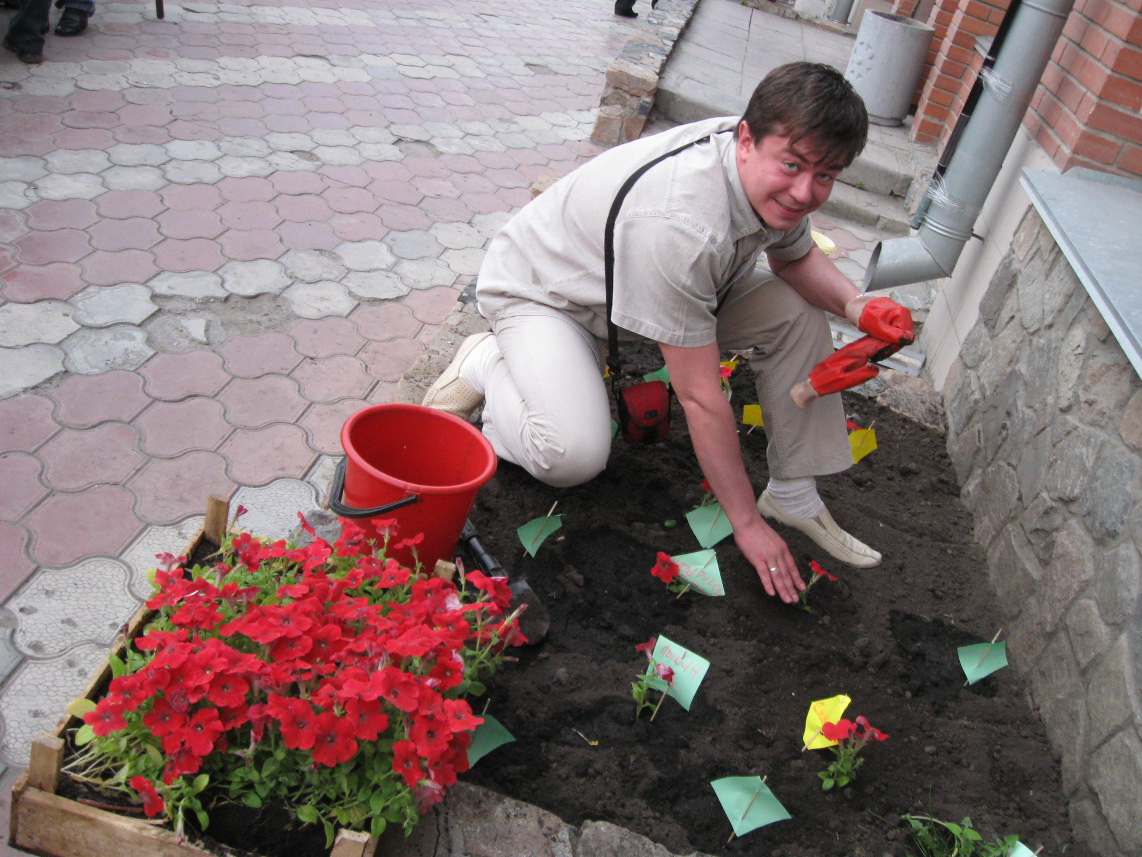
{"x":1044,"y":417}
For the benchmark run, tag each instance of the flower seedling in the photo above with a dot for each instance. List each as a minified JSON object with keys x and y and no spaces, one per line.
{"x":655,"y":673}
{"x":851,"y":736}
{"x":725,"y":371}
{"x":666,"y":570}
{"x":818,"y":574}
{"x":936,"y":838}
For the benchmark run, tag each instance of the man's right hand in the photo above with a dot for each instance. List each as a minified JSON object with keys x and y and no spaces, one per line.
{"x":769,"y":555}
{"x":885,"y":319}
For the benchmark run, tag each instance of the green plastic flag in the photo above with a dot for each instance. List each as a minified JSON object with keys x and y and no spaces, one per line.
{"x":748,"y":803}
{"x":689,"y":670}
{"x":700,"y":570}
{"x":662,"y":374}
{"x":862,"y":442}
{"x":709,"y":524}
{"x":982,"y":659}
{"x":534,"y":533}
{"x":1020,"y":850}
{"x":823,"y":711}
{"x":488,"y":736}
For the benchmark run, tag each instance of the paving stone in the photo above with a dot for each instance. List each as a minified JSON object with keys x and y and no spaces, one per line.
{"x":142,"y":556}
{"x":376,"y":285}
{"x":87,"y":400}
{"x":25,"y":367}
{"x":77,"y":161}
{"x":44,"y":321}
{"x":365,"y":255}
{"x":256,"y":402}
{"x":133,"y":178}
{"x":273,"y":508}
{"x":91,"y":351}
{"x":70,"y":186}
{"x":189,"y":284}
{"x":256,"y":457}
{"x":98,"y":522}
{"x":23,"y":487}
{"x":169,"y":490}
{"x":312,"y":266}
{"x":75,"y":459}
{"x":320,"y":299}
{"x":255,"y":277}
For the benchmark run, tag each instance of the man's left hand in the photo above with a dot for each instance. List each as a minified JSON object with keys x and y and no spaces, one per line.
{"x":882,"y":318}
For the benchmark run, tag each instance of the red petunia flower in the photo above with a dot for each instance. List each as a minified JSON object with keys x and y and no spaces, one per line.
{"x":162,"y":719}
{"x":399,"y":688}
{"x":869,"y":731}
{"x":201,"y":731}
{"x":106,"y":718}
{"x":431,"y":736}
{"x":665,"y":673}
{"x":819,"y":571}
{"x":296,"y":719}
{"x":228,"y":690}
{"x":406,"y":762}
{"x":152,"y":801}
{"x":647,"y":648}
{"x":665,"y":569}
{"x":838,"y":731}
{"x":459,"y":717}
{"x":496,"y":587}
{"x":335,"y":742}
{"x":367,"y":717}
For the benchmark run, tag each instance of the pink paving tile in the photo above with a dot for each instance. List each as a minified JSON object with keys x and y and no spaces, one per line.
{"x":87,"y":400}
{"x":242,"y":127}
{"x":171,"y":377}
{"x":325,"y":337}
{"x":346,"y":176}
{"x":288,"y":124}
{"x":182,"y":130}
{"x":323,"y":423}
{"x":383,"y":393}
{"x":84,"y":138}
{"x":259,"y":354}
{"x":129,"y":203}
{"x":88,"y":119}
{"x":330,"y":121}
{"x":61,"y":214}
{"x":441,"y":209}
{"x":133,"y":233}
{"x":395,"y":190}
{"x":190,"y":224}
{"x":298,"y":182}
{"x":257,"y":457}
{"x":331,"y":378}
{"x":20,"y":475}
{"x":145,"y":115}
{"x":255,"y":402}
{"x":7,"y":258}
{"x":58,"y":245}
{"x":388,"y":171}
{"x":462,"y":164}
{"x":246,"y":189}
{"x":256,"y":244}
{"x":249,"y":215}
{"x":385,"y":321}
{"x":126,"y":134}
{"x":25,"y":422}
{"x":358,"y":227}
{"x":16,"y":566}
{"x":15,"y":145}
{"x":28,"y":283}
{"x":191,"y":197}
{"x":349,"y":200}
{"x":193,"y":254}
{"x":504,"y":178}
{"x":433,"y":305}
{"x":512,"y":198}
{"x":308,"y":236}
{"x":301,"y":208}
{"x":427,"y":167}
{"x":53,"y":105}
{"x":389,"y":360}
{"x":91,"y":99}
{"x":402,"y":218}
{"x":77,"y":458}
{"x":169,"y":490}
{"x":172,"y":428}
{"x":66,"y":528}
{"x":36,"y":124}
{"x":107,"y":268}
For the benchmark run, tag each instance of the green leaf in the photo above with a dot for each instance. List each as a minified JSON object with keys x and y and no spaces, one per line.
{"x":80,"y":707}
{"x":307,"y":814}
{"x":377,"y":803}
{"x":118,"y":668}
{"x":827,"y":783}
{"x":377,"y":825}
{"x":200,"y":782}
{"x":155,"y":754}
{"x":84,"y":735}
{"x":476,"y":688}
{"x":203,"y":818}
{"x":251,"y":799}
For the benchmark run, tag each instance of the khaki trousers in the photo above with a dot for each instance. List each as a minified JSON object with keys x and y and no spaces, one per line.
{"x":547,"y":407}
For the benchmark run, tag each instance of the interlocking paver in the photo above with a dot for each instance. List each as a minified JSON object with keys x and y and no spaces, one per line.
{"x":17,"y":565}
{"x":256,"y":402}
{"x":87,"y":400}
{"x":76,"y":458}
{"x":23,"y":487}
{"x":173,"y":377}
{"x":256,"y":457}
{"x":66,"y":528}
{"x":168,"y":490}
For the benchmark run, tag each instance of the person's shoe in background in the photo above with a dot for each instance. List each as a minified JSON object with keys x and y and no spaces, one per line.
{"x":72,"y":22}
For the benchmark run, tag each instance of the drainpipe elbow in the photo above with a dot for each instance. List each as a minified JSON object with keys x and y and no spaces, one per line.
{"x":901,"y":261}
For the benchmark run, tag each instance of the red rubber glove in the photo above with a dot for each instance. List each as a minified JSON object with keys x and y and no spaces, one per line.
{"x":850,"y":365}
{"x":887,"y":320}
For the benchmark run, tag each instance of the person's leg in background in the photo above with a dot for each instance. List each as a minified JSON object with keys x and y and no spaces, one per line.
{"x":25,"y":37}
{"x":73,"y":21}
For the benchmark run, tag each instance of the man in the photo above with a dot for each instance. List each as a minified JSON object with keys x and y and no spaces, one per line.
{"x":25,"y":36}
{"x":686,"y":242}
{"x":73,"y":20}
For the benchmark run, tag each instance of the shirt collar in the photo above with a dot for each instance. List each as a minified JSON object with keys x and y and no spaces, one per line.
{"x":743,"y":219}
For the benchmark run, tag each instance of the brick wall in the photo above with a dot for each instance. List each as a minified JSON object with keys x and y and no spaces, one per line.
{"x":1086,"y":111}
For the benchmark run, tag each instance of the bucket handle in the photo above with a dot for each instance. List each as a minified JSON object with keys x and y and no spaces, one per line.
{"x":343,"y":511}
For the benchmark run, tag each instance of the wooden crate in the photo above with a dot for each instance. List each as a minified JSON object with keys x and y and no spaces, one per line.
{"x":45,"y":823}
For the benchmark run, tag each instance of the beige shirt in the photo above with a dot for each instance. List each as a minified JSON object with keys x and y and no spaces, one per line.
{"x":685,"y":234}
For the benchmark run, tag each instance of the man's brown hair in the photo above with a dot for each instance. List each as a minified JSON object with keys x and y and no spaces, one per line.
{"x":813,"y":102}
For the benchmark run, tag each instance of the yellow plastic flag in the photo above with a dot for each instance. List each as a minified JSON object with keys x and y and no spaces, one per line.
{"x":823,"y":241}
{"x":862,"y":441}
{"x":751,"y":416}
{"x":821,"y":712}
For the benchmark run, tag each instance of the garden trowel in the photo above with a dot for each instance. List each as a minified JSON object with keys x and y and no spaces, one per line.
{"x":534,"y":620}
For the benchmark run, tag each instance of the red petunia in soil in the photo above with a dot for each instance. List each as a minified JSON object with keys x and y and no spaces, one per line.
{"x":655,"y":671}
{"x":152,"y":800}
{"x":819,"y":573}
{"x":666,"y":570}
{"x":851,"y":737}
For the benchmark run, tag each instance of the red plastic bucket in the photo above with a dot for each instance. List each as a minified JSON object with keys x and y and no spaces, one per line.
{"x":417,"y":465}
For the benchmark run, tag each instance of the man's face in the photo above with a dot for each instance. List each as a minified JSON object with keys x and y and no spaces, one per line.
{"x":783,"y":181}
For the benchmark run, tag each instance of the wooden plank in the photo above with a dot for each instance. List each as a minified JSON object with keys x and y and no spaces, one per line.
{"x":48,"y":824}
{"x":217,"y":518}
{"x":444,"y":569}
{"x":353,"y":843}
{"x":47,"y":757}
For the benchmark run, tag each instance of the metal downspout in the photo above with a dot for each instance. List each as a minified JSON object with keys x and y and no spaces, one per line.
{"x":956,"y":200}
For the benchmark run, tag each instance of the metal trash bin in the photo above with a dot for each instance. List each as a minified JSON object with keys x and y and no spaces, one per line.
{"x":886,"y":62}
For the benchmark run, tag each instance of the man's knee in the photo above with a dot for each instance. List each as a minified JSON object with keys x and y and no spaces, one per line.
{"x":567,"y":465}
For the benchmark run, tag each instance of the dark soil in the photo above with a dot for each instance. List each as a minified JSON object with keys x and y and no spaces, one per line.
{"x":886,"y":637}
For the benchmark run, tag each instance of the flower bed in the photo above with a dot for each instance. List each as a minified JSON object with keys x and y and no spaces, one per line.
{"x":322,"y":678}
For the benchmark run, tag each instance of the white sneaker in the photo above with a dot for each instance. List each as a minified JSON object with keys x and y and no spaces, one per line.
{"x":451,"y":393}
{"x":824,"y":531}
